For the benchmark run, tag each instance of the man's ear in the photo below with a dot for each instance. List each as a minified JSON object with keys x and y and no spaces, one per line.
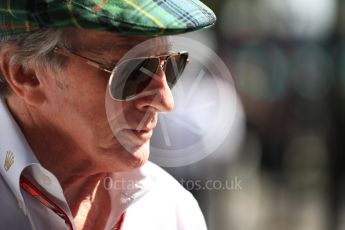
{"x":23,"y":81}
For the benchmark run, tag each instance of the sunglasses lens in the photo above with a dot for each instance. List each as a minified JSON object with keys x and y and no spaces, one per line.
{"x":132,"y":77}
{"x":174,"y":68}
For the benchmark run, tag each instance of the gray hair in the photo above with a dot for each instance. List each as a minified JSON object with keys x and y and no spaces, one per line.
{"x":34,"y":46}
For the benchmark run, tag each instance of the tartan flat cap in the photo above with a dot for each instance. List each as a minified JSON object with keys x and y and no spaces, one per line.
{"x":130,"y":17}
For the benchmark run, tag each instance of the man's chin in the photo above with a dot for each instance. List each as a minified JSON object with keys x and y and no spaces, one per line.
{"x":138,"y":155}
{"x":131,"y":152}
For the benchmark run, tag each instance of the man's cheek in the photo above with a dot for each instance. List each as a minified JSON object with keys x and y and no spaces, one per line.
{"x":114,"y":109}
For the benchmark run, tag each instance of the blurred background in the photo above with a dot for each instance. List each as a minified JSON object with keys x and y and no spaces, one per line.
{"x":286,"y":147}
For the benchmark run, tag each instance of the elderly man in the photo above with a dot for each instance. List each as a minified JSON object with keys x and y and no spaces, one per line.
{"x":63,"y":164}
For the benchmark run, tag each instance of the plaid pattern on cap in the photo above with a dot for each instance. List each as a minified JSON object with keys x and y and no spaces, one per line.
{"x":131,"y":17}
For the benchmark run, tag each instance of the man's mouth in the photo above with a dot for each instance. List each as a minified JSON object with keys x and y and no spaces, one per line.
{"x":136,"y":132}
{"x":143,"y":135}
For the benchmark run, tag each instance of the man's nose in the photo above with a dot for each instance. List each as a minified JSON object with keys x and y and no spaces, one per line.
{"x":157,"y":96}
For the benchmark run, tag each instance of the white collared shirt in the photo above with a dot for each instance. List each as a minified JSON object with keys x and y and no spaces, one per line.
{"x":151,"y":198}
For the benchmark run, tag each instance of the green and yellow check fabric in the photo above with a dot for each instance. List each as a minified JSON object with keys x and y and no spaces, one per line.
{"x":131,"y":17}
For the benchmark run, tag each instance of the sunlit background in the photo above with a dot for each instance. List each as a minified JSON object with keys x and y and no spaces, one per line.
{"x":287,"y":59}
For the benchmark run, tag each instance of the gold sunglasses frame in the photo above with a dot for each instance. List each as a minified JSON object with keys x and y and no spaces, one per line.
{"x":102,"y":67}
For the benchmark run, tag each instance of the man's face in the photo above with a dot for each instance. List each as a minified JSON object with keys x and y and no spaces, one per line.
{"x":77,"y":98}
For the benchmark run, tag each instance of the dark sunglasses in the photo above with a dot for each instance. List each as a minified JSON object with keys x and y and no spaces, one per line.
{"x":130,"y":77}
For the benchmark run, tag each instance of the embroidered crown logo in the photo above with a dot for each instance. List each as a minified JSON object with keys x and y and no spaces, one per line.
{"x":9,"y":160}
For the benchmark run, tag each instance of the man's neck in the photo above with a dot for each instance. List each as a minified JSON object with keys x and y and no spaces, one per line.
{"x":90,"y":210}
{"x":82,"y":184}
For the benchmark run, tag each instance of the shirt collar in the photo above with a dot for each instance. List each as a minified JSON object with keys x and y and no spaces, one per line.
{"x":125,"y":188}
{"x":15,"y":152}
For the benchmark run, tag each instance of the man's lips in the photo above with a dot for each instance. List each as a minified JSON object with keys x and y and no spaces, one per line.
{"x":143,"y":135}
{"x":134,"y":130}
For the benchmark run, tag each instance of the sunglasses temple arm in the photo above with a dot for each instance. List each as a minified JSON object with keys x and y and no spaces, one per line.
{"x":97,"y":65}
{"x":63,"y":52}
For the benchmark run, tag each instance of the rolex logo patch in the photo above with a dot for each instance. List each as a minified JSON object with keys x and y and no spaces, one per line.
{"x":9,"y":160}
